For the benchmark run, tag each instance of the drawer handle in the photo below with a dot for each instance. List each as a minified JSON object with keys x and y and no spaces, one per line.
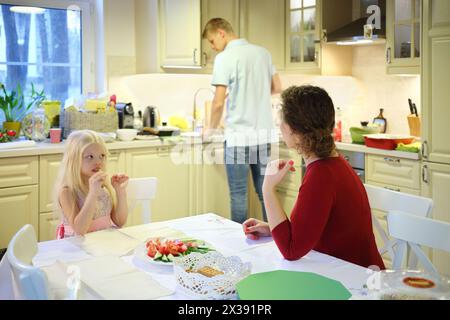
{"x":425,"y":174}
{"x":392,"y":160}
{"x":393,"y":189}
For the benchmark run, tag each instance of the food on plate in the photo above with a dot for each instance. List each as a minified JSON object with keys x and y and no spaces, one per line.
{"x":165,"y":250}
{"x":209,"y":272}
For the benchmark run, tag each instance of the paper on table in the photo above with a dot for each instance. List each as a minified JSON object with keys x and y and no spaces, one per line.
{"x":143,"y":232}
{"x":112,"y":278}
{"x":106,"y":242}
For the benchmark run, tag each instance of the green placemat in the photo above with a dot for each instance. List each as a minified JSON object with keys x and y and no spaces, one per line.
{"x":291,"y":285}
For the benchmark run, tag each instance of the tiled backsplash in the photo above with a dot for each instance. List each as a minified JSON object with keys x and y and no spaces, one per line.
{"x":359,"y":96}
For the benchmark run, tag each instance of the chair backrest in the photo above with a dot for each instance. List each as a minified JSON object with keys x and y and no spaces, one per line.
{"x":388,"y":200}
{"x":142,"y":190}
{"x":414,"y":231}
{"x":31,"y":281}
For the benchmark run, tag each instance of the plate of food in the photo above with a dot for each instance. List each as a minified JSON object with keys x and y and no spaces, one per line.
{"x":163,"y":251}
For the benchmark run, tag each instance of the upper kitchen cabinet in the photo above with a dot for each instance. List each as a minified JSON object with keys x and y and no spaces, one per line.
{"x":435,"y":89}
{"x":262,"y":23}
{"x":403,"y":22}
{"x":303,"y":34}
{"x":180,"y":23}
{"x":229,"y":10}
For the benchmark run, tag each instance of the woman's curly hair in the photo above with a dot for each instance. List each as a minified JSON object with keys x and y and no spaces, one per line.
{"x":309,"y":112}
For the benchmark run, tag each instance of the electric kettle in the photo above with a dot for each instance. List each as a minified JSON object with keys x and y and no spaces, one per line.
{"x":151,"y":117}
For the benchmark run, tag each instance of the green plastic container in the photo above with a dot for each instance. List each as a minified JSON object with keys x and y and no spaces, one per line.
{"x":357,"y":133}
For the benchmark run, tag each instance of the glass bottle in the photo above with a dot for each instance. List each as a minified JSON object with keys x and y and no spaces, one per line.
{"x":38,"y":124}
{"x":381,"y":121}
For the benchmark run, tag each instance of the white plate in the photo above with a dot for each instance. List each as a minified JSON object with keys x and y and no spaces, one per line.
{"x":141,"y":254}
{"x":146,"y":137}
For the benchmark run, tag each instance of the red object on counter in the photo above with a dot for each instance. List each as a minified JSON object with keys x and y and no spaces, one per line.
{"x":385,"y":142}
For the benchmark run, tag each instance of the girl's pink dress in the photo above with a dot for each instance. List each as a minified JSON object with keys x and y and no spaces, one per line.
{"x":102,"y":217}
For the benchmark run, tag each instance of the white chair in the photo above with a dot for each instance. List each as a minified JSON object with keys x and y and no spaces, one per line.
{"x":413,"y":231}
{"x":31,"y":281}
{"x":142,"y":190}
{"x":387,"y":200}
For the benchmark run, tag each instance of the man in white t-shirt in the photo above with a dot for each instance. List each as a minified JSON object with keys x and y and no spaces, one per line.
{"x":247,"y":72}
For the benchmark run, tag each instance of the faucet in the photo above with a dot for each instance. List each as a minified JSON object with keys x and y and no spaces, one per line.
{"x":194,"y":110}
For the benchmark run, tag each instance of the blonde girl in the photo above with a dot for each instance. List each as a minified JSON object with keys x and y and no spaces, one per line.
{"x":84,"y":197}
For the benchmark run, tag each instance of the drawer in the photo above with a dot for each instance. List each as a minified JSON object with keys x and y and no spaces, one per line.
{"x":20,"y":171}
{"x":415,"y":192}
{"x":393,"y":171}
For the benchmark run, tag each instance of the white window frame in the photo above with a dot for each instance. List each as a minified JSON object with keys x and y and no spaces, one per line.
{"x":87,"y":33}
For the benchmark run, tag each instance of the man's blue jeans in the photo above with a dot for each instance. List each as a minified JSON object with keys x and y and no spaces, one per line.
{"x":238,"y":161}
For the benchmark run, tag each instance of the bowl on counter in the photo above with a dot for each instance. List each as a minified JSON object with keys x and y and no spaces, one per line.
{"x":357,"y":133}
{"x":126,"y":134}
{"x":386,"y":141}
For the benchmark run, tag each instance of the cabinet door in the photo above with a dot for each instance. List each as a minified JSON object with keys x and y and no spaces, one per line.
{"x":287,"y":199}
{"x":228,"y":10}
{"x":48,"y":172}
{"x":436,"y":185}
{"x":215,"y":194}
{"x":180,"y":33}
{"x":18,"y":207}
{"x":173,"y":192}
{"x":303,"y":30}
{"x":116,"y":162}
{"x":47,"y":226}
{"x":435,"y":89}
{"x":263,"y":23}
{"x":403,"y":30}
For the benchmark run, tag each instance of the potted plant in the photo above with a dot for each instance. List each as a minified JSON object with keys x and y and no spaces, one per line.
{"x":14,"y":106}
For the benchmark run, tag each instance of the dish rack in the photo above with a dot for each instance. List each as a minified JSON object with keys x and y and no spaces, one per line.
{"x":220,"y":287}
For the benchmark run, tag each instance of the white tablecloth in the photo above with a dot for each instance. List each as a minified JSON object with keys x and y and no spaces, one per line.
{"x":226,"y":236}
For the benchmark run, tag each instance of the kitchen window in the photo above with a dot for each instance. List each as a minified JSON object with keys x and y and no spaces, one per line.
{"x":47,"y":43}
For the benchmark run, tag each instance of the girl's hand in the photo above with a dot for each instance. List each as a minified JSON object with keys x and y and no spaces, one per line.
{"x":97,"y":181}
{"x":275,"y":172}
{"x":119,"y":182}
{"x":254,"y":229}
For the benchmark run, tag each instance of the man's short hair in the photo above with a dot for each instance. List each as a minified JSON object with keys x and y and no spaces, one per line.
{"x":217,"y":23}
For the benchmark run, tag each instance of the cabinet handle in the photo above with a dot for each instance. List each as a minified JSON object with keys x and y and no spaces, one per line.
{"x":205,"y":56}
{"x":425,"y":152}
{"x":425,"y":174}
{"x":393,"y":189}
{"x":388,"y":55}
{"x":195,"y":56}
{"x":391,"y":160}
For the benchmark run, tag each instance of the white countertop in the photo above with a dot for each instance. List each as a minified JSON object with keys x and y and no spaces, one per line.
{"x":381,"y":152}
{"x":45,"y":148}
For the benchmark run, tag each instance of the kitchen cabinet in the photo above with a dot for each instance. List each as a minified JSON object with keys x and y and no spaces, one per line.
{"x":180,"y":36}
{"x":303,"y":34}
{"x":19,"y":206}
{"x":435,"y":113}
{"x":215,"y":193}
{"x":403,"y":34}
{"x":228,"y":10}
{"x":263,"y":24}
{"x":174,"y":196}
{"x":48,"y":224}
{"x":436,"y":185}
{"x":48,"y":173}
{"x":435,"y":89}
{"x":18,"y":195}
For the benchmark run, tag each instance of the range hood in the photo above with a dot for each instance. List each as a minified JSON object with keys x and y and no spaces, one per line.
{"x":352,"y":32}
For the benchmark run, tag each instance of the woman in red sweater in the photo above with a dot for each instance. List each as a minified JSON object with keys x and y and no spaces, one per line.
{"x":332,"y":213}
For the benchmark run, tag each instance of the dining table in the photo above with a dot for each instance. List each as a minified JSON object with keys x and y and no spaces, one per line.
{"x":110,"y":268}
